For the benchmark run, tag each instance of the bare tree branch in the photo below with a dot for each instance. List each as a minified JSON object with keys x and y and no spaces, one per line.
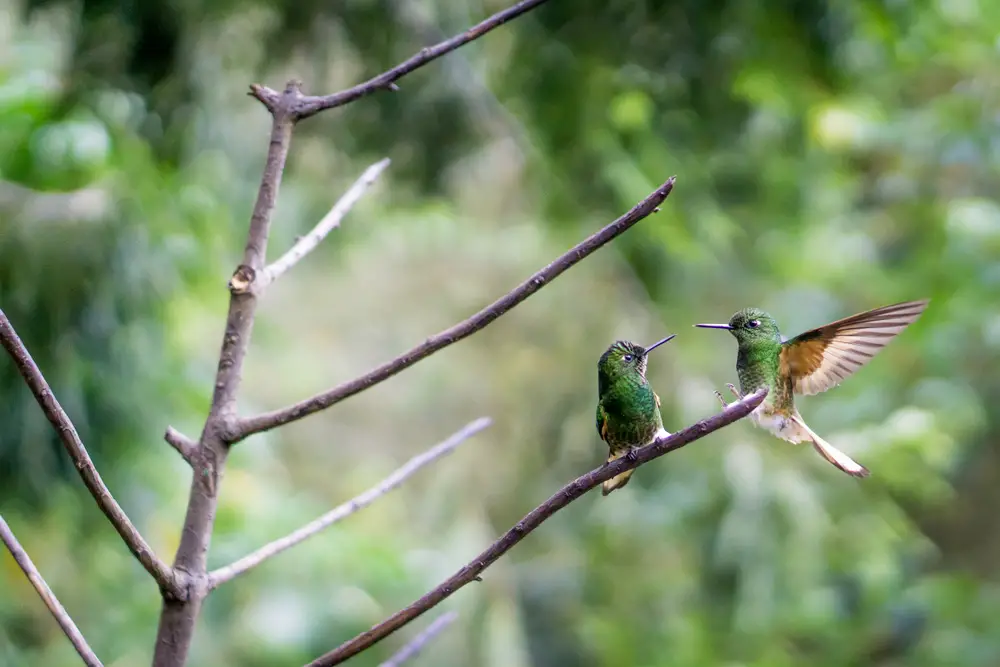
{"x":480,"y":320}
{"x":48,"y":597}
{"x":178,"y":616}
{"x":61,"y":422}
{"x":311,"y":105}
{"x":224,"y":574}
{"x":222,"y":426}
{"x":534,"y":519}
{"x":184,"y":445}
{"x":330,"y":221}
{"x":417,"y":643}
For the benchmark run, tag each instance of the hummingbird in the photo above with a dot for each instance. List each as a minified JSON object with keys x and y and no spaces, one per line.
{"x":809,"y":363}
{"x":628,"y":410}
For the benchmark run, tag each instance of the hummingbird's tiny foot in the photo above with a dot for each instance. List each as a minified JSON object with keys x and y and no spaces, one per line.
{"x":722,"y":400}
{"x":735,"y":391}
{"x":631,"y":456}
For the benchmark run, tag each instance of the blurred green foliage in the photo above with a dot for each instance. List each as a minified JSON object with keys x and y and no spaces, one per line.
{"x":830,"y":159}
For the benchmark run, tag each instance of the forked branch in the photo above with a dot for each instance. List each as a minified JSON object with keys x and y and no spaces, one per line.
{"x":224,"y":574}
{"x":70,"y":439}
{"x":48,"y":597}
{"x":535,"y":518}
{"x":480,"y":320}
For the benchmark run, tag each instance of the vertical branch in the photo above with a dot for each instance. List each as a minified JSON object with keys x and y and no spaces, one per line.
{"x":178,"y":617}
{"x":48,"y":597}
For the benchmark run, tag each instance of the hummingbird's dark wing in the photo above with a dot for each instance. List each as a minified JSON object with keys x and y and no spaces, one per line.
{"x":602,"y":422}
{"x":823,"y":357}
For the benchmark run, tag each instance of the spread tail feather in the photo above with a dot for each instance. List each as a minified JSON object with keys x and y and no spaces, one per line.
{"x":618,"y":481}
{"x":832,"y":454}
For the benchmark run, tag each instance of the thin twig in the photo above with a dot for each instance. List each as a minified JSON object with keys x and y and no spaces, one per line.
{"x":184,"y":445}
{"x":330,"y":221}
{"x":534,"y":519}
{"x":224,"y":574}
{"x":480,"y":320}
{"x":48,"y":597}
{"x":61,"y":422}
{"x":414,"y":646}
{"x":310,"y":105}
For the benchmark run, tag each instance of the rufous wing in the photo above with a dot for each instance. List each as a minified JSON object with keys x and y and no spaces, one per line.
{"x":824,"y":357}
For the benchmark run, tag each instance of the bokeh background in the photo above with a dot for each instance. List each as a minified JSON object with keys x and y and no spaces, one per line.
{"x":831,"y":157}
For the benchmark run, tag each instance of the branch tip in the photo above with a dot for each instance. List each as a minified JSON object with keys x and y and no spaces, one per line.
{"x":307,"y":243}
{"x":184,"y":445}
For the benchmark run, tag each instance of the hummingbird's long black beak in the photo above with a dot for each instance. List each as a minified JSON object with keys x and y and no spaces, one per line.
{"x":714,"y":326}
{"x":659,"y":343}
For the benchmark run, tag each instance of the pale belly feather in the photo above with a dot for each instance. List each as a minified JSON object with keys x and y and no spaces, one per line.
{"x":781,"y":425}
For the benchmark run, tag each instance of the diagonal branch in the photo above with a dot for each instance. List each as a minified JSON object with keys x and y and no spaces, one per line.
{"x":61,"y":422}
{"x":311,"y":105}
{"x":229,"y":572}
{"x":535,"y":518}
{"x":330,"y":221}
{"x":417,"y":643}
{"x":48,"y":597}
{"x":480,"y":320}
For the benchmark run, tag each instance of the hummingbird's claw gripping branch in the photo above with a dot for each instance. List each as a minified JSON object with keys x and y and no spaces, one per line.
{"x":533,"y":520}
{"x":64,"y":428}
{"x":327,"y":224}
{"x":269,"y":420}
{"x":733,"y":389}
{"x":48,"y":597}
{"x":229,"y":572}
{"x":415,"y":645}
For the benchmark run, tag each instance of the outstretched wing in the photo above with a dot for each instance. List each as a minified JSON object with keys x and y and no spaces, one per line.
{"x":602,"y":422}
{"x":823,"y":357}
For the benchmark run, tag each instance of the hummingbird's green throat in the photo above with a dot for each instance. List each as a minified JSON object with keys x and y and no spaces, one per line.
{"x":810,"y":363}
{"x":628,"y":410}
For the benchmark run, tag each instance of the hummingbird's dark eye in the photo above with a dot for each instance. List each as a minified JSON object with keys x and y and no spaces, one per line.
{"x":753,"y":324}
{"x":628,"y":357}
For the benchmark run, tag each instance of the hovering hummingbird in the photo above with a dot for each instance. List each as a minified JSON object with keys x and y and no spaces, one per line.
{"x":628,"y":410}
{"x":810,"y":363}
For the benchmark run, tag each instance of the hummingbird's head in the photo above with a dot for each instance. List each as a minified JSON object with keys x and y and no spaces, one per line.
{"x":624,"y":358}
{"x":749,"y":326}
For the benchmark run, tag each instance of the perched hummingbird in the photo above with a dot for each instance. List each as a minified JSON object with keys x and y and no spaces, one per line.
{"x":628,"y":410}
{"x":810,"y":363}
